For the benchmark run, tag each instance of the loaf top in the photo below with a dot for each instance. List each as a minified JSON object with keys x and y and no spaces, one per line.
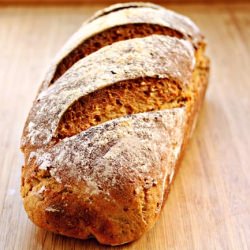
{"x":122,"y":16}
{"x":158,"y":16}
{"x":123,"y":60}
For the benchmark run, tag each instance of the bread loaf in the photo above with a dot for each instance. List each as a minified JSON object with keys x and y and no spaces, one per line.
{"x":109,"y":125}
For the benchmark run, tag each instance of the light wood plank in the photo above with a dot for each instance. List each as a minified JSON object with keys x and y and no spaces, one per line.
{"x":89,"y":2}
{"x":208,"y":206}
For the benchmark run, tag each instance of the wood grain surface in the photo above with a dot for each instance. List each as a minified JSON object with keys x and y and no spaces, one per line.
{"x":208,"y":206}
{"x":50,"y":2}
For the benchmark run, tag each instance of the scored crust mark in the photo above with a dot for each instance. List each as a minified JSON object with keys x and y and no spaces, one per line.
{"x":130,"y":59}
{"x":123,"y":98}
{"x":130,"y":16}
{"x":130,"y":97}
{"x":107,"y":37}
{"x":113,"y":10}
{"x":117,"y":7}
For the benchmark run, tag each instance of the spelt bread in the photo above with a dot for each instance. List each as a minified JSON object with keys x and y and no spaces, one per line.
{"x":109,"y":125}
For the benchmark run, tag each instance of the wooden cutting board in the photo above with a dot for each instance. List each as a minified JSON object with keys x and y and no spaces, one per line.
{"x":209,"y":205}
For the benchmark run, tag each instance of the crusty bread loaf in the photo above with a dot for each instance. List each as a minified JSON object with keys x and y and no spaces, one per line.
{"x":110,"y":123}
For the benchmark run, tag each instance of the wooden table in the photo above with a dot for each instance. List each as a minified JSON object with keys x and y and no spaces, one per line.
{"x":209,"y":205}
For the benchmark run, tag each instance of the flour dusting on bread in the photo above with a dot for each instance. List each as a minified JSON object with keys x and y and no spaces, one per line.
{"x":129,"y":59}
{"x":132,"y":146}
{"x":140,"y":71}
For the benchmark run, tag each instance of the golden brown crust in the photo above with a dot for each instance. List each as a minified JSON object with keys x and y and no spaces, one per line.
{"x":120,"y":99}
{"x":128,"y":16}
{"x":108,"y":37}
{"x":129,"y":59}
{"x":109,"y":180}
{"x":121,"y":188}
